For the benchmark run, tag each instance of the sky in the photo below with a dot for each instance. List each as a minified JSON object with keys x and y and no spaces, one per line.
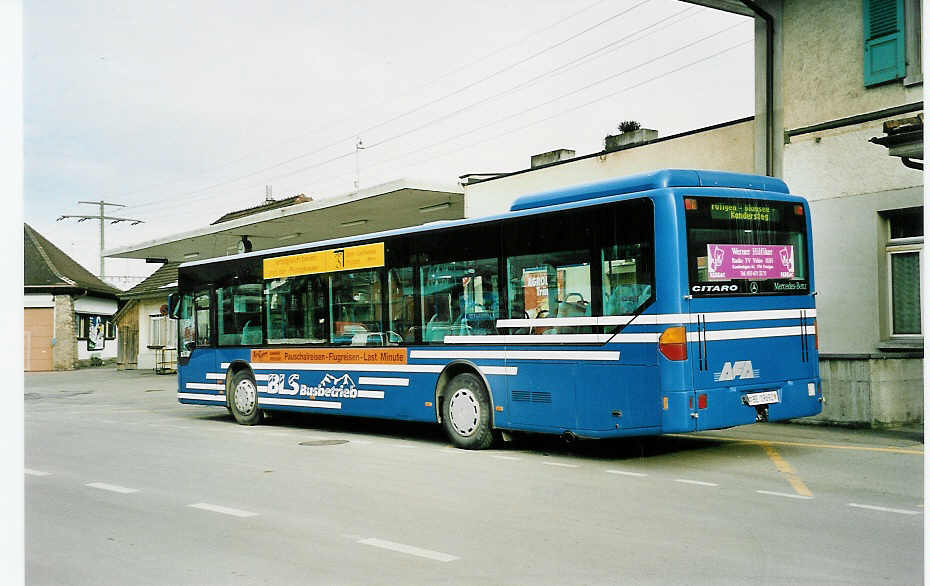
{"x":184,"y":111}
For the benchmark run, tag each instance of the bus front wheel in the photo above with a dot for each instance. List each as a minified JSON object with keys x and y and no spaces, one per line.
{"x":466,"y":412}
{"x":244,"y":400}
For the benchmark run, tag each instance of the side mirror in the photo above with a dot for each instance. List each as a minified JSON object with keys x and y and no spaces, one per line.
{"x":189,"y":346}
{"x":174,"y":305}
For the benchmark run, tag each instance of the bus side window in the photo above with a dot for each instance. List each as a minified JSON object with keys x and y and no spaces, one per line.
{"x":356,"y":304}
{"x":239,"y":314}
{"x":185,"y":324}
{"x":401,"y":305}
{"x":202,"y":318}
{"x":627,"y":259}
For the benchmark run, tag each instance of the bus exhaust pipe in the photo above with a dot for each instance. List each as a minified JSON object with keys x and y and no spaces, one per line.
{"x":569,"y":437}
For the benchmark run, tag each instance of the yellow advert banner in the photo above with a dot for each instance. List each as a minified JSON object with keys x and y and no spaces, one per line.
{"x":332,"y":355}
{"x":325,"y":261}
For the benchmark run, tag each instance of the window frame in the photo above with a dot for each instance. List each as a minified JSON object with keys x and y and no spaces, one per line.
{"x":903,"y":245}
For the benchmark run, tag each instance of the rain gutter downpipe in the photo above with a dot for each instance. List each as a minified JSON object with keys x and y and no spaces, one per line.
{"x":769,"y":84}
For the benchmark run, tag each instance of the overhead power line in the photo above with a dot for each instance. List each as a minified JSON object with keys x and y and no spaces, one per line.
{"x":433,"y":81}
{"x":497,"y":121}
{"x":409,"y":112}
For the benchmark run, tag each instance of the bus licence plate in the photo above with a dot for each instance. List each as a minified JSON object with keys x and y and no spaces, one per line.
{"x":763,"y":398}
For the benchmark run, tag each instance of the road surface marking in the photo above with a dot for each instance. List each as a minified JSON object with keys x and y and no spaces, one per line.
{"x":402,"y":446}
{"x":560,"y":464}
{"x":112,"y":487}
{"x":31,"y":472}
{"x":223,"y":510}
{"x":785,"y":468}
{"x":785,"y":494}
{"x":511,"y":458}
{"x":798,"y":444}
{"x":408,"y":549}
{"x":625,"y":473}
{"x":360,"y":442}
{"x":698,"y":482}
{"x":884,"y":509}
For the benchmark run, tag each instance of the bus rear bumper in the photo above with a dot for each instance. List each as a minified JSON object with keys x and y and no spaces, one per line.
{"x":728,"y":407}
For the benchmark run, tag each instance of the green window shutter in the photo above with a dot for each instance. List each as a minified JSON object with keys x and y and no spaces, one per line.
{"x":884,"y":40}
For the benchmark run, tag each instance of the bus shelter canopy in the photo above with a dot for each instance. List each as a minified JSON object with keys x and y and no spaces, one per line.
{"x":397,"y":204}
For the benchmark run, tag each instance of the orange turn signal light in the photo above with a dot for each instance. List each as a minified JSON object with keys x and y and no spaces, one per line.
{"x":673,"y":343}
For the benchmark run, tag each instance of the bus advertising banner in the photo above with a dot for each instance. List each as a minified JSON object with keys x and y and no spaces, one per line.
{"x":726,"y":262}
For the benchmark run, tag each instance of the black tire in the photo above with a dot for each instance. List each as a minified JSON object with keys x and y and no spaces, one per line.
{"x":243,"y":399}
{"x":466,"y":412}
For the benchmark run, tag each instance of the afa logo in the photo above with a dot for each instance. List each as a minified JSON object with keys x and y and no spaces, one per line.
{"x":741,"y":369}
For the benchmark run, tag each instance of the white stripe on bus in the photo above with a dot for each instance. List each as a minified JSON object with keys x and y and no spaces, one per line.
{"x":215,"y":376}
{"x":423,"y":368}
{"x":205,"y":386}
{"x":300,"y":403}
{"x":749,"y":333}
{"x":370,"y":394}
{"x":203,"y":397}
{"x":387,"y":382}
{"x":658,"y":319}
{"x":518,"y":354}
{"x":224,"y":365}
{"x":530,"y":338}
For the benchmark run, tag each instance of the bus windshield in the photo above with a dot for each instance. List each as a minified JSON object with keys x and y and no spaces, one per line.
{"x":746,"y":246}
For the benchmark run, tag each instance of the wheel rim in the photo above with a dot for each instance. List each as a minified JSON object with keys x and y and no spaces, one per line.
{"x":245,"y":397}
{"x":464,"y":412}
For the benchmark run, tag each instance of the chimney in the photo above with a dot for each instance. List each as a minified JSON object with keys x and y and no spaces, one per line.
{"x":629,"y":138}
{"x":551,"y":157}
{"x":268,"y":198}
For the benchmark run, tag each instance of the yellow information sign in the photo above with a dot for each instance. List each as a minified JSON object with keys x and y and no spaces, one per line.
{"x":351,"y":258}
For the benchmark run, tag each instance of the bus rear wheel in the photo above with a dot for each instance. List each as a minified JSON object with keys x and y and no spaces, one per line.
{"x":244,"y":400}
{"x":466,"y":412}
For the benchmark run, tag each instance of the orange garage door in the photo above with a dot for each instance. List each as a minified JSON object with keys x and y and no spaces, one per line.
{"x":37,"y":338}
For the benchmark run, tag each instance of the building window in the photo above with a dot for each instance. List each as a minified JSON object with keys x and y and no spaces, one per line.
{"x":904,"y":251}
{"x":885,"y":41}
{"x":95,"y":329}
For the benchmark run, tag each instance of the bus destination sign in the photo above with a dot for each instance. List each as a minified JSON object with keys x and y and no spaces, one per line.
{"x":350,"y":258}
{"x":744,"y":212}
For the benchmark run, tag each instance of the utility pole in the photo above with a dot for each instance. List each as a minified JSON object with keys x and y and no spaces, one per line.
{"x":358,"y":147}
{"x":102,"y":217}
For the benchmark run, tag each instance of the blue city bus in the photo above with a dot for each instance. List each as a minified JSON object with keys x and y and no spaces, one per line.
{"x":669,"y":301}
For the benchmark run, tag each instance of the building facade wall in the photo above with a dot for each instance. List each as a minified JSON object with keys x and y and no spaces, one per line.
{"x":726,"y":148}
{"x":850,"y":182}
{"x":822,"y":65}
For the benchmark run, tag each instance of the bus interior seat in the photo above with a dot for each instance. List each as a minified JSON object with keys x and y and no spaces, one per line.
{"x":625,"y":299}
{"x":251,"y":334}
{"x":436,"y":329}
{"x":570,"y":307}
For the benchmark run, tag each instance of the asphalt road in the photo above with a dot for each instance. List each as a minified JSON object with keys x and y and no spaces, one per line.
{"x":126,"y":486}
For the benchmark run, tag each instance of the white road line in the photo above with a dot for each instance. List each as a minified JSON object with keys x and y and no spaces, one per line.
{"x":625,"y":473}
{"x":31,"y":472}
{"x":561,"y":465}
{"x":697,"y":482}
{"x":223,"y":510}
{"x":112,"y":487}
{"x":408,"y":549}
{"x":786,"y":495}
{"x":511,"y":458}
{"x":884,"y":509}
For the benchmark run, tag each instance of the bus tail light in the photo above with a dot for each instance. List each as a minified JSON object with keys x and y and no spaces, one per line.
{"x":702,"y":401}
{"x":673,"y":343}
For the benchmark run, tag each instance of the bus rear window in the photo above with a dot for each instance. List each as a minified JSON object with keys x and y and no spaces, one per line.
{"x":746,"y":246}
